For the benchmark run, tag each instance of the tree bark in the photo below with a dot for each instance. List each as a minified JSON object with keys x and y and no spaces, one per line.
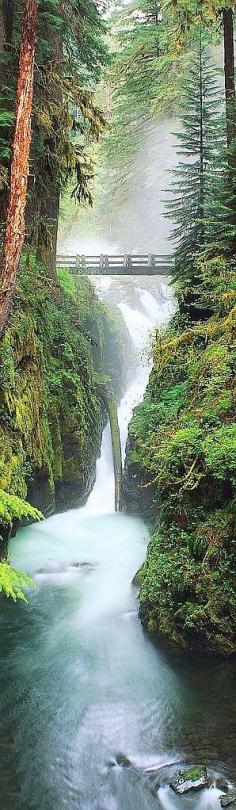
{"x":201,"y":144}
{"x":15,"y":223}
{"x":229,"y":70}
{"x":48,"y":215}
{"x":43,"y":210}
{"x":7,"y":10}
{"x":116,"y":450}
{"x":2,"y":27}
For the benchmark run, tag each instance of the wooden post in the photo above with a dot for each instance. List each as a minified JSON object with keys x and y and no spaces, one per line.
{"x":127,"y":261}
{"x":81,"y":264}
{"x":151,"y":261}
{"x":104,"y":263}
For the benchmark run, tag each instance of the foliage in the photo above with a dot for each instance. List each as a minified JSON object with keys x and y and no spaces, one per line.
{"x":67,"y":282}
{"x":200,"y":141}
{"x":13,"y":508}
{"x":189,"y":13}
{"x":70,"y":52}
{"x":183,"y":445}
{"x":13,"y":582}
{"x":51,"y":411}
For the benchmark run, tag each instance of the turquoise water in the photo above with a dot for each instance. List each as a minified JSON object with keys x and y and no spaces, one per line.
{"x":81,"y":683}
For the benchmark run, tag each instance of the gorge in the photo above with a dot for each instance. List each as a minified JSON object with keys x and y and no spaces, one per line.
{"x":84,"y":690}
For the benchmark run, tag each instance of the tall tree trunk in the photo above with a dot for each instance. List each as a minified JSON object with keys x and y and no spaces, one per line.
{"x":48,"y":213}
{"x":201,"y":145}
{"x":230,"y":99}
{"x":2,"y":27}
{"x":7,"y":10}
{"x":46,"y":195}
{"x":229,"y":70}
{"x":15,"y":224}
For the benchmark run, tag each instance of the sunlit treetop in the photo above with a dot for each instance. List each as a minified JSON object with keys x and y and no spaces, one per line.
{"x":188,"y":13}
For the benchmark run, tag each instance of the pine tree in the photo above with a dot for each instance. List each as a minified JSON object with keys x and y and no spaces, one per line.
{"x":200,"y":140}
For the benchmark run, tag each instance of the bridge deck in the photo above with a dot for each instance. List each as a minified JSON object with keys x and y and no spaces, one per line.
{"x":118,"y":265}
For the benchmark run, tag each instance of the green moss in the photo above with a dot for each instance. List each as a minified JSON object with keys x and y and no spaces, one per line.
{"x":183,"y":448}
{"x":192,"y":775}
{"x":51,"y":411}
{"x":220,"y":453}
{"x":67,"y":282}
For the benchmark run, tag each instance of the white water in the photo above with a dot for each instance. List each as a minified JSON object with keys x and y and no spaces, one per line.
{"x":80,"y":681}
{"x":140,"y":326}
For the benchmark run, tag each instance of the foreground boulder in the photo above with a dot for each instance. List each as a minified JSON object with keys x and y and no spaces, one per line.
{"x":192,"y":779}
{"x":227,"y":800}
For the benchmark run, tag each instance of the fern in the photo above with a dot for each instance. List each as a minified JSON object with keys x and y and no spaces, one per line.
{"x":13,"y":581}
{"x":14,"y":508}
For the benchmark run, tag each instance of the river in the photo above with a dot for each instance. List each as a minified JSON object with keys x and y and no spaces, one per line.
{"x":82,"y":687}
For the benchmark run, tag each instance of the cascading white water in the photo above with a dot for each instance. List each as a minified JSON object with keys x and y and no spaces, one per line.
{"x":140,"y":326}
{"x":102,"y":498}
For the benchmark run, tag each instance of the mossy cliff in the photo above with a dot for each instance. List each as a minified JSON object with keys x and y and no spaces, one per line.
{"x":182,"y":454}
{"x":53,"y":358}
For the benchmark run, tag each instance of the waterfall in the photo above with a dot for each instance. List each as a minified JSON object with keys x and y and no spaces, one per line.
{"x":154,"y":309}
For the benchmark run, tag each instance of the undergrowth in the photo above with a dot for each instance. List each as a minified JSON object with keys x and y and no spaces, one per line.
{"x":60,"y":345}
{"x":183,"y":443}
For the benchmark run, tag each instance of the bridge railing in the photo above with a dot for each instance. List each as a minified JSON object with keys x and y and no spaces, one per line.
{"x":118,"y":264}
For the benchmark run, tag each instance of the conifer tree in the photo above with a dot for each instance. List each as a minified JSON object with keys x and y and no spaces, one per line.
{"x":70,"y":50}
{"x":199,"y":141}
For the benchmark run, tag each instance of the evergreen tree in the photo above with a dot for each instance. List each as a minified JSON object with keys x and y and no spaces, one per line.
{"x":221,"y":205}
{"x":200,"y":140}
{"x":69,"y":55}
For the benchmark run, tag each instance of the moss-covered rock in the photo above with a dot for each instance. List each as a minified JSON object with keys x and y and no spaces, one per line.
{"x":51,"y":411}
{"x":192,"y":779}
{"x":182,"y":450}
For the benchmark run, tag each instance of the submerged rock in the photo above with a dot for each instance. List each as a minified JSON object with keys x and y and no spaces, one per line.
{"x":51,"y":568}
{"x":82,"y":565}
{"x":192,"y":779}
{"x":122,"y":759}
{"x":227,"y":800}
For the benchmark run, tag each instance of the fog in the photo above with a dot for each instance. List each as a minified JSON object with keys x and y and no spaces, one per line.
{"x":132,"y":218}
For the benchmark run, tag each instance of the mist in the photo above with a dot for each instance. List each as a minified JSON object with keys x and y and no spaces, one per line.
{"x":132,"y":219}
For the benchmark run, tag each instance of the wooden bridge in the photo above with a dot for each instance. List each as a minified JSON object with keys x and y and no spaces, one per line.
{"x":118,"y":265}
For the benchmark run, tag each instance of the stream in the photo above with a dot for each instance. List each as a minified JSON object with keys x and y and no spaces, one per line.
{"x":82,"y":687}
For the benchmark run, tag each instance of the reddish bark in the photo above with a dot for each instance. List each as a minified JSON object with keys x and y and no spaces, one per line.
{"x":15,"y":223}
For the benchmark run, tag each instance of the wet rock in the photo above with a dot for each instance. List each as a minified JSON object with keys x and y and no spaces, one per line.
{"x":227,"y":800}
{"x":192,"y":779}
{"x":82,"y":565}
{"x":153,"y":785}
{"x":122,"y":759}
{"x":51,"y":568}
{"x":222,"y":784}
{"x":138,"y":577}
